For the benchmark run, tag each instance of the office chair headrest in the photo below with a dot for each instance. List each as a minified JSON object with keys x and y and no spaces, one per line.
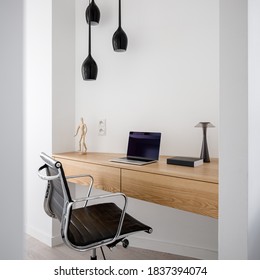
{"x":50,"y":161}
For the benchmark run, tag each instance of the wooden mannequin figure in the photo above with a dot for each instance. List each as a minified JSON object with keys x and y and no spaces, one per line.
{"x":82,"y":141}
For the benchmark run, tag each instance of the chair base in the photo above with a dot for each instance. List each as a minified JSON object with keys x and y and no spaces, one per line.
{"x":94,"y":254}
{"x":125,"y":244}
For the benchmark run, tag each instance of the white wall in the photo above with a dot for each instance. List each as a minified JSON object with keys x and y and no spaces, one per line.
{"x":234,"y":120}
{"x":175,"y":231}
{"x":38,"y":112}
{"x":254,"y":132}
{"x":63,"y":77}
{"x":168,"y":81}
{"x":49,"y":101}
{"x":11,"y":123}
{"x":63,"y":83}
{"x":239,"y":196}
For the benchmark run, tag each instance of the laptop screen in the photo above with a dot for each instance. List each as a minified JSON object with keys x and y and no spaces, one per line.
{"x":144,"y":145}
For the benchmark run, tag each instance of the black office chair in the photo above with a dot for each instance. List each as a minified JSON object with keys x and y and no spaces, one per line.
{"x":90,"y":226}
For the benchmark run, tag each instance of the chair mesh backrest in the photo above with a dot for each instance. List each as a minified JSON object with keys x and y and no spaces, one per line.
{"x":57,"y":193}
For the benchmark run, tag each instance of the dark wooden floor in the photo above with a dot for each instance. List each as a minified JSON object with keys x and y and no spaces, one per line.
{"x":36,"y":250}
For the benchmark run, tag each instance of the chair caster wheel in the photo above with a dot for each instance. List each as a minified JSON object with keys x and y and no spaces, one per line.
{"x":125,"y":243}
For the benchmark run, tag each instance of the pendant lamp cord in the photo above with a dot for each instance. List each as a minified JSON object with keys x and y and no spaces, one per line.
{"x":119,"y":13}
{"x":89,"y":30}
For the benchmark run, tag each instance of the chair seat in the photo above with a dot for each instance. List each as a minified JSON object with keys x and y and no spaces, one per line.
{"x":99,"y":222}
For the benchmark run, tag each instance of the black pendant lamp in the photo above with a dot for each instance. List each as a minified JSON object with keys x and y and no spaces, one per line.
{"x":119,"y":39}
{"x":93,"y":12}
{"x":89,"y":67}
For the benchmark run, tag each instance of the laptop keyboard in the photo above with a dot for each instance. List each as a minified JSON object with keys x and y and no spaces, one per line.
{"x":132,"y":161}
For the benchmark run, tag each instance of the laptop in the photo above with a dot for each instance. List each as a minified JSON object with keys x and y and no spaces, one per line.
{"x":143,"y":148}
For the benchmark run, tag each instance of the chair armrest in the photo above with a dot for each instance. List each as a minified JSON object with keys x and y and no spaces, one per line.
{"x":83,"y":175}
{"x":111,"y":195}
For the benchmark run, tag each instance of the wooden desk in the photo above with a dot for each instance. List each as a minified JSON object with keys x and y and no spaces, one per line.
{"x":185,"y":188}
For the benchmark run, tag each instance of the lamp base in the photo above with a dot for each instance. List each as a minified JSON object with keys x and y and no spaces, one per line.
{"x":204,"y":154}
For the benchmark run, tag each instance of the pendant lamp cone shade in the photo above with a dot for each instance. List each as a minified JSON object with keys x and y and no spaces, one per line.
{"x":119,"y":39}
{"x":89,"y":67}
{"x":94,"y":13}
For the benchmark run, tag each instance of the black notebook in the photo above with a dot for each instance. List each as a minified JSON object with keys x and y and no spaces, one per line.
{"x":185,"y":161}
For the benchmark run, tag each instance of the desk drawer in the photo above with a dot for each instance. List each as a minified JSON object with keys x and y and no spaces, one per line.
{"x":184,"y":194}
{"x":105,"y":177}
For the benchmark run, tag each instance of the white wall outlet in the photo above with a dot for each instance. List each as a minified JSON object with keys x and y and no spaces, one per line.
{"x":102,"y":127}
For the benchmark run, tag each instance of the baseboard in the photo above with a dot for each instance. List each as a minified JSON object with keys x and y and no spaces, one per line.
{"x":140,"y":242}
{"x":173,"y":248}
{"x":49,"y":240}
{"x":56,"y":240}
